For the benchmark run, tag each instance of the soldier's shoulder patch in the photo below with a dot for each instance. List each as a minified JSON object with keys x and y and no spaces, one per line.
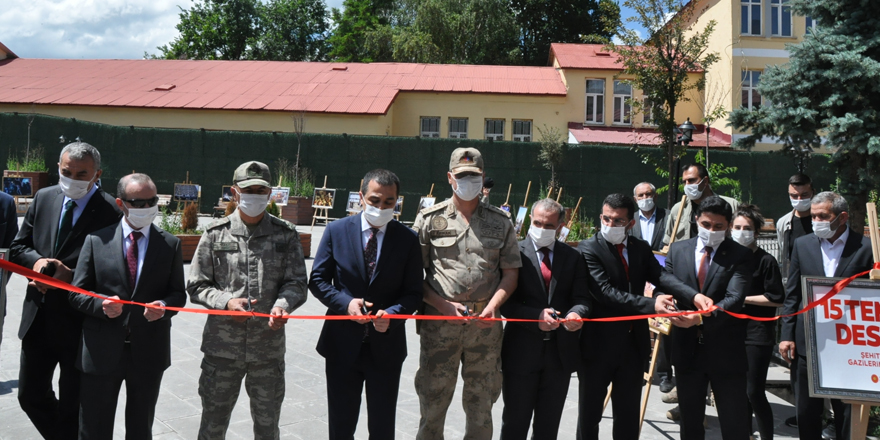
{"x":281,"y":222}
{"x":497,"y":210}
{"x":218,"y":223}
{"x":436,"y":207}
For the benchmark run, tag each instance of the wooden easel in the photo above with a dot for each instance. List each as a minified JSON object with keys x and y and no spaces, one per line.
{"x":524,"y":205}
{"x":181,"y":205}
{"x":665,"y":249}
{"x":507,"y":200}
{"x":397,"y":216}
{"x":321,"y":213}
{"x":559,"y":195}
{"x":574,"y":213}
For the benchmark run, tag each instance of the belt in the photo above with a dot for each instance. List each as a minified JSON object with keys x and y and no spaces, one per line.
{"x":549,"y":336}
{"x":475,"y":307}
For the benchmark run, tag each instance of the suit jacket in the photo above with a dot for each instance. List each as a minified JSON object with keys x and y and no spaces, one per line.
{"x":339,"y":276}
{"x":656,"y":241}
{"x":36,"y":240}
{"x":727,"y":283}
{"x":523,"y":343}
{"x":8,"y":220}
{"x":615,"y":295}
{"x":102,"y":269}
{"x":806,"y":260}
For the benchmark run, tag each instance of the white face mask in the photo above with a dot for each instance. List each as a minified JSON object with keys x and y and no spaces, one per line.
{"x":802,"y":205}
{"x":469,"y":188}
{"x":743,"y":237}
{"x":378,"y":217}
{"x":693,"y":191}
{"x":74,"y":189}
{"x":253,"y":204}
{"x":711,"y":238}
{"x":614,"y":234}
{"x":542,"y":237}
{"x":824,"y":230}
{"x":140,"y":218}
{"x":646,"y":204}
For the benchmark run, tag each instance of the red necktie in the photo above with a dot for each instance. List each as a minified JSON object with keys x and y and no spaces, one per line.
{"x":704,"y":266}
{"x":545,"y":268}
{"x":131,"y":258}
{"x":370,"y":253}
{"x":623,"y":259}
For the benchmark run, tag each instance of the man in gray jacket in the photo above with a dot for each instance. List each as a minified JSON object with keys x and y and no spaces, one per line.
{"x":796,"y":223}
{"x":697,"y":187}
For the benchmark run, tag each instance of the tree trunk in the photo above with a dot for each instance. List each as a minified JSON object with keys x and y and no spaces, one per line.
{"x":670,"y":166}
{"x":853,"y":190}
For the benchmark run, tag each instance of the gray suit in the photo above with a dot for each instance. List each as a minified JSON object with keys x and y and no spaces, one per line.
{"x":656,"y":240}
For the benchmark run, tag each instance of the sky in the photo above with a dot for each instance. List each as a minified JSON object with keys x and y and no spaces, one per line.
{"x":88,"y":29}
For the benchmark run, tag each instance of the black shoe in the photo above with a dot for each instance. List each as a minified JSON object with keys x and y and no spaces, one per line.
{"x":791,"y":422}
{"x":666,"y":385}
{"x":829,"y":433}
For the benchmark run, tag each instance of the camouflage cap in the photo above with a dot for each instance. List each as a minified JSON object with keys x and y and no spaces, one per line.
{"x":465,"y":160}
{"x":251,"y":173}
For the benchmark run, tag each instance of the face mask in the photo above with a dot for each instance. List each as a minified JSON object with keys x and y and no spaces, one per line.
{"x":824,"y":230}
{"x":801,"y":205}
{"x":711,"y":238}
{"x":745,"y":238}
{"x":253,"y":204}
{"x":542,"y":237}
{"x":140,"y":218}
{"x":469,"y":188}
{"x":646,"y":204}
{"x":614,"y":234}
{"x":693,"y":191}
{"x":378,"y":217}
{"x":74,"y":189}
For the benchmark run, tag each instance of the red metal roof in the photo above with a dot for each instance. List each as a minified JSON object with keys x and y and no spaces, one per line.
{"x":598,"y":134}
{"x":583,"y":56}
{"x":256,"y":85}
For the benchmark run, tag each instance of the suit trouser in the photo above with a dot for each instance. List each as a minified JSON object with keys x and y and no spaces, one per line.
{"x":219,"y":385}
{"x":540,"y":392}
{"x":810,"y":409}
{"x":730,"y":400}
{"x":345,"y":382}
{"x":48,"y":345}
{"x":664,"y":356}
{"x":445,"y":345}
{"x":101,"y":392}
{"x":625,"y":371}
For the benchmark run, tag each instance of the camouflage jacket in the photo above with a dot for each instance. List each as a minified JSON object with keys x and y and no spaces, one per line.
{"x":267,"y":265}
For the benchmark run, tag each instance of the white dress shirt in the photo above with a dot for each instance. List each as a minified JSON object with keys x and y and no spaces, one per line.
{"x":79,"y":205}
{"x":541,"y":253}
{"x":141,"y":244}
{"x":831,"y":252}
{"x":647,"y":225}
{"x":365,"y":236}
{"x":698,"y":255}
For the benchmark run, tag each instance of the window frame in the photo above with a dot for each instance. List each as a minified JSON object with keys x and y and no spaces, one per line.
{"x":431,"y":134}
{"x":522,"y":137}
{"x":748,"y":17}
{"x":493,"y":136}
{"x":626,"y":108}
{"x":811,"y":25}
{"x":648,"y":112}
{"x":781,"y":8}
{"x":751,"y":88}
{"x":458,"y":134}
{"x":598,"y":108}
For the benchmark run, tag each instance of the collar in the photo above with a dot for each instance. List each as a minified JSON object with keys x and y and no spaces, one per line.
{"x":237,"y":226}
{"x":702,"y":245}
{"x":365,"y":226}
{"x":82,"y":201}
{"x":126,"y":230}
{"x":653,"y":214}
{"x":538,"y":250}
{"x":842,"y":239}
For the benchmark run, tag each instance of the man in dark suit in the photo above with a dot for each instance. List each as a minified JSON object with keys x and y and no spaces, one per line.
{"x":651,"y":222}
{"x":832,"y":250}
{"x":136,"y":261}
{"x":616,"y":353}
{"x":711,"y":349}
{"x":8,"y":229}
{"x":537,"y":359}
{"x":50,"y":240}
{"x":366,"y":264}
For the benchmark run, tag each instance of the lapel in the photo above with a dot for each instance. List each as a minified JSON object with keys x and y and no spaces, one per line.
{"x":558,"y":259}
{"x":690,"y":263}
{"x":659,"y":230}
{"x":153,"y":247}
{"x":357,"y":247}
{"x":611,"y":254}
{"x":383,"y":252}
{"x":814,"y":264}
{"x":527,"y":247}
{"x":117,"y":256}
{"x":57,"y":207}
{"x":849,"y":250}
{"x":84,"y":218}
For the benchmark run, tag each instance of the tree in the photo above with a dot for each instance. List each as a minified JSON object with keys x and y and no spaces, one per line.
{"x":827,"y":95}
{"x":353,"y":22}
{"x":562,"y":21}
{"x":288,"y":30}
{"x":552,"y":153}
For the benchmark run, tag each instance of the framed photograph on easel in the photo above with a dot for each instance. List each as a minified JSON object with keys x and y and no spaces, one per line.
{"x":354,"y":202}
{"x":323,"y":198}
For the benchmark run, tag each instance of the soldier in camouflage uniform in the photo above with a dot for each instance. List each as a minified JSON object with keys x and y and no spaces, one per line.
{"x":248,"y":261}
{"x":472,"y":260}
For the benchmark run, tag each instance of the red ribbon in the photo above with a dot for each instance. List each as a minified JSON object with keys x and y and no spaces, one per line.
{"x":28,"y":273}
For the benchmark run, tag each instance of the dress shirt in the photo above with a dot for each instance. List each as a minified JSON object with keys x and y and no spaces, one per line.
{"x":698,"y":255}
{"x":831,"y":252}
{"x":541,"y":253}
{"x":141,"y":244}
{"x":79,"y":205}
{"x":617,"y":253}
{"x":647,"y":225}
{"x":365,"y":236}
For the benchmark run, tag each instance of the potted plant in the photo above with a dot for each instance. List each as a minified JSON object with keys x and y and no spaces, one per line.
{"x":581,"y":229}
{"x":32,"y":164}
{"x":184,"y":227}
{"x":299,"y":209}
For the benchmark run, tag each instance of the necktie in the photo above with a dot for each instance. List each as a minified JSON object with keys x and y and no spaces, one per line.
{"x":370,"y":253}
{"x":623,"y":259}
{"x":704,"y":266}
{"x":545,"y":268}
{"x":131,"y":258}
{"x":66,"y":224}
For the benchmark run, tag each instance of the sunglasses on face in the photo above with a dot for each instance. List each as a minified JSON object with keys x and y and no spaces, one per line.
{"x":142,"y":203}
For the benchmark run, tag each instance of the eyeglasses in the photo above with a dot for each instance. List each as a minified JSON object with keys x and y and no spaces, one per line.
{"x":142,"y":203}
{"x":614,"y":222}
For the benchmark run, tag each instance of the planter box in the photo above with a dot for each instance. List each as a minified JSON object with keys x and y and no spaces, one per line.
{"x":188,"y":244}
{"x":39,"y":179}
{"x":298,"y":211}
{"x":305,"y":239}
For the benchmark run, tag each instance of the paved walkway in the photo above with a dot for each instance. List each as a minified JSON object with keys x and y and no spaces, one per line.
{"x":304,"y":413}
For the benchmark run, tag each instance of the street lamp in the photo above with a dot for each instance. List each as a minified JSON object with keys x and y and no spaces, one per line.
{"x":687,"y":132}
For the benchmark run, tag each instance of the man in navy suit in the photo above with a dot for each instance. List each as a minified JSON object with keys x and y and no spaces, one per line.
{"x":8,"y":229}
{"x":366,"y":265}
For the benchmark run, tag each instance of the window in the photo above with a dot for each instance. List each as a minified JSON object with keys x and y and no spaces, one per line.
{"x":648,"y":115}
{"x":751,"y":17}
{"x":595,"y":101}
{"x":780,"y":18}
{"x":495,"y":129}
{"x":430,"y":127}
{"x":622,"y":109}
{"x":811,"y":25}
{"x":522,"y":131}
{"x":458,"y":128}
{"x":751,"y":99}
